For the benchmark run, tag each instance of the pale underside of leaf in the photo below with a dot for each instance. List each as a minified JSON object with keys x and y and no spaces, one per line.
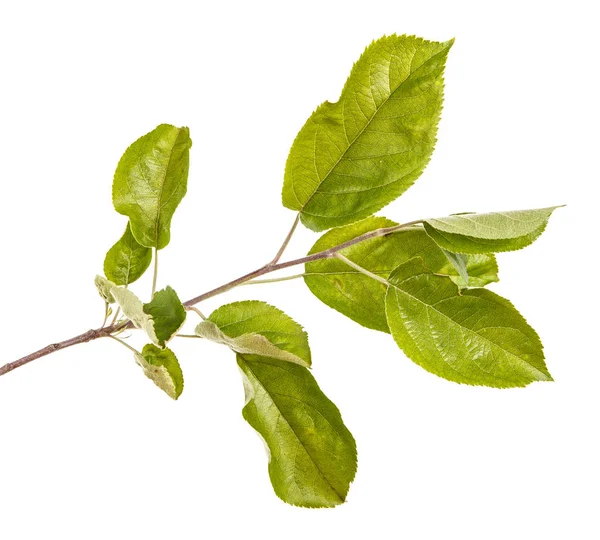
{"x":150,"y":182}
{"x":312,"y":455}
{"x":354,"y":156}
{"x":105,"y":288}
{"x":254,"y":327}
{"x":488,"y":233}
{"x":472,"y":337}
{"x":162,"y":367}
{"x":246,"y":343}
{"x":363,"y":299}
{"x":133,"y":309}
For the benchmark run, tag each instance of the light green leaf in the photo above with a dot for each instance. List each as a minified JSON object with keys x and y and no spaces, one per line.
{"x":105,"y":288}
{"x":312,"y":455}
{"x":488,"y":233}
{"x":472,"y":336}
{"x":133,"y":309}
{"x":354,"y":156}
{"x":459,"y":261}
{"x":127,"y":260}
{"x":162,"y":366}
{"x":252,"y":327}
{"x":362,"y":298}
{"x":151,"y":180}
{"x":167,"y":313}
{"x":482,"y":270}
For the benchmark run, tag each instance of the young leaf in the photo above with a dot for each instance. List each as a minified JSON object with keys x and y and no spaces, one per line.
{"x":105,"y":288}
{"x":162,"y":366}
{"x":151,"y":180}
{"x":472,"y":336}
{"x":168,"y":314}
{"x":127,"y":260}
{"x":482,"y":270}
{"x":488,"y":233}
{"x":160,"y":319}
{"x":354,"y":156}
{"x":312,"y":455}
{"x":362,"y":298}
{"x":252,"y":327}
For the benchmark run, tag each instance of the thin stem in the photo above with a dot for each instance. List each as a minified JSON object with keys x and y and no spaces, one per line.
{"x":105,"y":314}
{"x":361,"y":269}
{"x":155,"y":272}
{"x":196,"y":310}
{"x":268,"y":268}
{"x":287,"y":240}
{"x":274,"y":280}
{"x":124,"y":344}
{"x":114,"y":320}
{"x":188,"y":336}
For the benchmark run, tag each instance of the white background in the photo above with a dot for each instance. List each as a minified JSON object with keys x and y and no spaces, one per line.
{"x":90,"y":449}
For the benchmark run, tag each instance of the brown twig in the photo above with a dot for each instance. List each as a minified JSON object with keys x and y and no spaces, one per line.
{"x":273,"y":266}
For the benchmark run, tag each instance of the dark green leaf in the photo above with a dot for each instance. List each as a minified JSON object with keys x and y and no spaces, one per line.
{"x":312,"y":455}
{"x":168,"y":314}
{"x":488,"y":233}
{"x":472,"y":336}
{"x":127,"y":260}
{"x":151,"y":180}
{"x":362,"y":298}
{"x":354,"y":156}
{"x":162,"y":366}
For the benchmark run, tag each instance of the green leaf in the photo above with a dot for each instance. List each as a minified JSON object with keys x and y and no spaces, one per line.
{"x":151,"y":180}
{"x":472,"y":336}
{"x":252,"y":327}
{"x":160,"y":319}
{"x":482,"y":270}
{"x":488,"y":233}
{"x":362,"y":298}
{"x":168,"y":314}
{"x":312,"y":455}
{"x":354,"y":156}
{"x":162,"y":366}
{"x":105,"y":288}
{"x":127,"y":260}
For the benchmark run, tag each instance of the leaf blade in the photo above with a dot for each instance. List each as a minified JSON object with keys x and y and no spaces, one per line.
{"x":150,"y":182}
{"x":490,"y":232}
{"x":472,"y":336}
{"x":354,"y":156}
{"x":167,"y":314}
{"x":312,"y":454}
{"x":162,"y":367}
{"x":253,"y":327}
{"x":127,"y":260}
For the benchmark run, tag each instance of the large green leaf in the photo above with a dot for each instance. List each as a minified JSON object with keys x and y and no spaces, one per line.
{"x":312,"y":455}
{"x":151,"y":180}
{"x":363,"y":299}
{"x":127,"y":260}
{"x":354,"y":156}
{"x":471,"y":336}
{"x":253,"y":327}
{"x":162,"y":366}
{"x":160,"y":319}
{"x":488,"y":233}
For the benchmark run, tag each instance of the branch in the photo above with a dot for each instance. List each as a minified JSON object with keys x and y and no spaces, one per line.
{"x":273,"y":266}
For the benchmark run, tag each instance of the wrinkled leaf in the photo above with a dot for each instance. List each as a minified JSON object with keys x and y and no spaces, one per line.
{"x":252,"y":327}
{"x":488,"y":233}
{"x":168,"y":314}
{"x":127,"y":260}
{"x":105,"y":288}
{"x":312,"y":455}
{"x":362,"y":298}
{"x":472,"y":336}
{"x":354,"y":156}
{"x":151,"y":180}
{"x":162,"y":366}
{"x":133,"y":309}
